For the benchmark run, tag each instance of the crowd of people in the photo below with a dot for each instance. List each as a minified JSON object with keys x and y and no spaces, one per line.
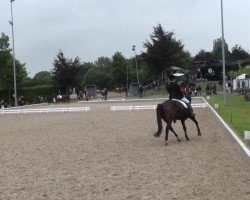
{"x":192,"y":89}
{"x":21,"y":101}
{"x":211,"y":89}
{"x":3,"y":104}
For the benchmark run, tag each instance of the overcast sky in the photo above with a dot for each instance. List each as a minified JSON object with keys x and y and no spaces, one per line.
{"x":94,"y":28}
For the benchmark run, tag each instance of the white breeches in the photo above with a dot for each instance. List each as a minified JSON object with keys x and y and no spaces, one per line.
{"x":185,"y":100}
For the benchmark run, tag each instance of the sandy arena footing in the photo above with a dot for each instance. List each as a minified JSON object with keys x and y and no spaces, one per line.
{"x":105,"y":155}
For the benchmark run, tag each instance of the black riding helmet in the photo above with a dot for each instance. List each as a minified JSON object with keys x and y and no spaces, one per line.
{"x":171,"y":77}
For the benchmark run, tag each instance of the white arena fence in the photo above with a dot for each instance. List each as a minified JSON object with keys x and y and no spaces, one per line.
{"x":45,"y":110}
{"x":242,"y":147}
{"x":149,"y":107}
{"x":85,"y":109}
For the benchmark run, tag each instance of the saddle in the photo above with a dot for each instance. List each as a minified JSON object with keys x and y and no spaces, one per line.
{"x":182,"y":102}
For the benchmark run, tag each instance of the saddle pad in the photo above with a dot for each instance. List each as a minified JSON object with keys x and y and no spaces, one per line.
{"x":183,"y":103}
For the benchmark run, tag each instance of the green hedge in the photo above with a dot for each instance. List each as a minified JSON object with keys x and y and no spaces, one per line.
{"x":4,"y":95}
{"x":30,"y":93}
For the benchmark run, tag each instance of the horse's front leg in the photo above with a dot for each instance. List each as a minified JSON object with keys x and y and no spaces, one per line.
{"x":176,"y":135}
{"x":197,"y":125}
{"x":185,"y":129}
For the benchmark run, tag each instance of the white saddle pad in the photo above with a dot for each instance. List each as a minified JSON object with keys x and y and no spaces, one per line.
{"x":183,"y":103}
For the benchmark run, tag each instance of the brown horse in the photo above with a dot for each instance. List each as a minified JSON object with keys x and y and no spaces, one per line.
{"x":170,"y":111}
{"x":61,"y":98}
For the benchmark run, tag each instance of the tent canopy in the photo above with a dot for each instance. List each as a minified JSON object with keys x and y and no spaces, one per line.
{"x":242,"y":76}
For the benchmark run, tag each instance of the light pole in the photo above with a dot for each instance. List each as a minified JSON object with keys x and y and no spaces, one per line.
{"x":127,"y":76}
{"x":14,"y":62}
{"x":223,"y":55}
{"x":133,"y":48}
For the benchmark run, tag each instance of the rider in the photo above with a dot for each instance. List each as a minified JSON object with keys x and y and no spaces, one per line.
{"x":175,"y":93}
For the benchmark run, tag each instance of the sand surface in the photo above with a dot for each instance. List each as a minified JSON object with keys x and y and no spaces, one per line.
{"x":105,"y":155}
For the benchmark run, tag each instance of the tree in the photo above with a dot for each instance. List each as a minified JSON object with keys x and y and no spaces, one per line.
{"x":118,"y":70}
{"x":185,"y":59}
{"x":103,"y":62}
{"x":84,"y":68}
{"x":66,"y":72}
{"x":241,"y":70}
{"x":42,"y":78}
{"x":6,"y":66}
{"x":204,"y":56}
{"x":145,"y":75}
{"x":97,"y":76}
{"x":217,"y":49}
{"x":27,"y":82}
{"x":163,"y":51}
{"x":238,"y":53}
{"x":143,"y":70}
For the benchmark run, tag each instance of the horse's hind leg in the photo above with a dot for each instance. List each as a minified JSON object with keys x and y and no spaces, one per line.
{"x":185,"y":129}
{"x":169,"y":126}
{"x":197,"y":125}
{"x":166,"y":136}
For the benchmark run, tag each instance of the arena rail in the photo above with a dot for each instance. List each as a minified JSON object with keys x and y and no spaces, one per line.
{"x":116,"y":108}
{"x":149,"y":107}
{"x":45,"y":110}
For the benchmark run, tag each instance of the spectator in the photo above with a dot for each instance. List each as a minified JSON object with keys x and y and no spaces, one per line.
{"x":220,"y":84}
{"x":238,"y":87}
{"x":214,"y":89}
{"x":105,"y":94}
{"x":87,"y":96}
{"x":2,"y":104}
{"x":208,"y":89}
{"x":80,"y":95}
{"x":126,"y":91}
{"x":198,"y":89}
{"x":140,"y":90}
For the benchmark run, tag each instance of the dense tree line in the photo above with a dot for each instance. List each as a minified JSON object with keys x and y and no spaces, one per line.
{"x":162,"y":51}
{"x":236,"y":53}
{"x":6,"y":68}
{"x":6,"y":65}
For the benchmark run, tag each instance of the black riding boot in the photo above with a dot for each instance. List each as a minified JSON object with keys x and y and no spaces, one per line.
{"x":191,"y":112}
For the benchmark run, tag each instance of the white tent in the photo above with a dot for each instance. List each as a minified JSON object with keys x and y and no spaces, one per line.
{"x":241,"y":82}
{"x":242,"y":76}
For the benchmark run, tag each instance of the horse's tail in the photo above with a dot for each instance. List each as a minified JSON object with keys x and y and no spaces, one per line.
{"x":159,"y":112}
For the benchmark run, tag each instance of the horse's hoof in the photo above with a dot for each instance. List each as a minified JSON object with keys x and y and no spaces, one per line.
{"x":178,"y":139}
{"x":199,"y":134}
{"x":166,"y":143}
{"x":156,"y":135}
{"x":187,"y":139}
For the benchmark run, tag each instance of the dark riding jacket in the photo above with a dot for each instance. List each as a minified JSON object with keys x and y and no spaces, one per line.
{"x":174,"y":91}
